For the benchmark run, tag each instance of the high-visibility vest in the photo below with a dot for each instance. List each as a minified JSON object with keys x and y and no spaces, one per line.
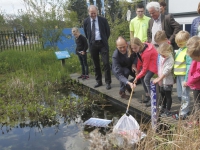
{"x":180,"y":62}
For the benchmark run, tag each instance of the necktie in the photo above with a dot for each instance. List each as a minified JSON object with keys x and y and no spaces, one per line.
{"x":93,"y":32}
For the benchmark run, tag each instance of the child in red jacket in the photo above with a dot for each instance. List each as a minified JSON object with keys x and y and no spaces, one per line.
{"x":146,"y":64}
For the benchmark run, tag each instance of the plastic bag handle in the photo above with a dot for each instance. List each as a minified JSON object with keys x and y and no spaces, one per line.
{"x":129,"y":101}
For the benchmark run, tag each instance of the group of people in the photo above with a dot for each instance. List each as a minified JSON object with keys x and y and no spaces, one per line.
{"x":151,"y":51}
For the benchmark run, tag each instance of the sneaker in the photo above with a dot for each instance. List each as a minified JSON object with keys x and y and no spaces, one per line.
{"x":81,"y":76}
{"x":166,"y":114}
{"x":86,"y":76}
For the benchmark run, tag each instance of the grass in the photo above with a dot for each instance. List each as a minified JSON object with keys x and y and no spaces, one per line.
{"x":31,"y":83}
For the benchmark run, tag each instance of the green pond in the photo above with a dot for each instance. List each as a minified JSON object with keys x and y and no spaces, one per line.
{"x":63,"y":133}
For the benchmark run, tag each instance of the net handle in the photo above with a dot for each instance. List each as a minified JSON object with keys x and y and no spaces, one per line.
{"x":129,"y":101}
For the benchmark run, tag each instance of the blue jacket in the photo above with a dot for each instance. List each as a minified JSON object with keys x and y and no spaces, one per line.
{"x":194,"y":26}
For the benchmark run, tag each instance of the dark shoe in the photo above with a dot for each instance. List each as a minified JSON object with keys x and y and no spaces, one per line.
{"x":108,"y":87}
{"x":97,"y":85}
{"x":148,"y":104}
{"x":123,"y":95}
{"x":146,"y":100}
{"x":81,"y":76}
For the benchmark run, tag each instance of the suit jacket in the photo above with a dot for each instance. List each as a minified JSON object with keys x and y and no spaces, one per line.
{"x":120,"y":61}
{"x":169,"y":25}
{"x":103,"y":28}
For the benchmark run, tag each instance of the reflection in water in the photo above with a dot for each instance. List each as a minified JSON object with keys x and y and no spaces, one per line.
{"x":65,"y":132}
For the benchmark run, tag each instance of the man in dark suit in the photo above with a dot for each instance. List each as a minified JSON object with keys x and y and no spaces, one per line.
{"x":123,"y":65}
{"x":160,"y":22}
{"x":97,"y":31}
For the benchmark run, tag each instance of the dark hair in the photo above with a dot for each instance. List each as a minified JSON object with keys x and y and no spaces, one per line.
{"x":163,"y":4}
{"x":140,"y":5}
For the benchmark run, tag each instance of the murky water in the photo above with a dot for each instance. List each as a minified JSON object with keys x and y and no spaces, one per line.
{"x":60,"y":135}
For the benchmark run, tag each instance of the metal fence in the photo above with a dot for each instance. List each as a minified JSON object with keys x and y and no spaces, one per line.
{"x":17,"y":40}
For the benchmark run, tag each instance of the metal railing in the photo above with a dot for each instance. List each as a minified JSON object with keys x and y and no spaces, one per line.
{"x":17,"y":40}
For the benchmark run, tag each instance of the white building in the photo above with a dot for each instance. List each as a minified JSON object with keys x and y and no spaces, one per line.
{"x":184,"y":11}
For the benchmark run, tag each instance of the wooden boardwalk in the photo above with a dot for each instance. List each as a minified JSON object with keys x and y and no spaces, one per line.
{"x":135,"y":105}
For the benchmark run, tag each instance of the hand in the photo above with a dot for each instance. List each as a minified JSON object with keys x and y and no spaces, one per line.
{"x":156,"y":80}
{"x":185,"y":84}
{"x":135,"y":81}
{"x":82,"y":52}
{"x":132,"y":85}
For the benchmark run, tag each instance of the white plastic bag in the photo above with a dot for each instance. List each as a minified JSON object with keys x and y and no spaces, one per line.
{"x":128,"y":128}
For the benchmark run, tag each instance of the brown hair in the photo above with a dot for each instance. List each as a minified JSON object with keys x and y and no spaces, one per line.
{"x":193,"y":46}
{"x":163,"y":4}
{"x":160,"y":36}
{"x":165,"y":49}
{"x":182,"y":36}
{"x":198,"y":8}
{"x":135,"y":41}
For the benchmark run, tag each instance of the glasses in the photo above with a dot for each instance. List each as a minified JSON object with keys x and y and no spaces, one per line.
{"x":140,"y":11}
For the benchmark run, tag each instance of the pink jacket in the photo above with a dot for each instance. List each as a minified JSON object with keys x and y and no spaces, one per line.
{"x":194,"y":76}
{"x":149,"y":61}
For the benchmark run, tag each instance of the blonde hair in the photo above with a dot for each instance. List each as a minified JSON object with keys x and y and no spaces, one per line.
{"x":165,"y":49}
{"x":160,"y":36}
{"x":198,"y":8}
{"x":137,"y":42}
{"x":182,"y":36}
{"x":75,"y":30}
{"x":193,"y":46}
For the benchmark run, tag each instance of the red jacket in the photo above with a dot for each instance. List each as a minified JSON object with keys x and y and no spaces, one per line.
{"x":194,"y":76}
{"x":149,"y":61}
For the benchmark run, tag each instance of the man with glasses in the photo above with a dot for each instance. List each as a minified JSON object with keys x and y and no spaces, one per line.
{"x":139,"y":25}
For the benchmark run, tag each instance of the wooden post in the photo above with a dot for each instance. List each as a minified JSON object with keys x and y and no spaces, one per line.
{"x":63,"y":62}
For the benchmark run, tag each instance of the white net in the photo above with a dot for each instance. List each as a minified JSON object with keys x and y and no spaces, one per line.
{"x":128,"y":128}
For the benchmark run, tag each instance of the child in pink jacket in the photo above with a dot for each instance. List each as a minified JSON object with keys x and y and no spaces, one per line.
{"x":193,"y":82}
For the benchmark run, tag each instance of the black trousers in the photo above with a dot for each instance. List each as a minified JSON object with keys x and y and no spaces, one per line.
{"x":166,"y":98}
{"x":95,"y":49}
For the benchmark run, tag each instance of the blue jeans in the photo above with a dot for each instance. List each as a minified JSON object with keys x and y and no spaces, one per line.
{"x":146,"y":81}
{"x":184,"y":93}
{"x":83,"y":62}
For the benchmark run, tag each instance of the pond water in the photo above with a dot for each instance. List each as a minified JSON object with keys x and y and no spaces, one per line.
{"x":59,"y":135}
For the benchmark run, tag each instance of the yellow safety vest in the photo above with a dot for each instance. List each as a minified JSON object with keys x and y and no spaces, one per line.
{"x":180,"y":63}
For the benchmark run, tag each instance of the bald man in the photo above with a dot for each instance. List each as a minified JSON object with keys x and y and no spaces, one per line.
{"x":123,"y":66}
{"x":97,"y":32}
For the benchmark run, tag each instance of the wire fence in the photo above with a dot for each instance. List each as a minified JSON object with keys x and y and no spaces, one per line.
{"x":23,"y":41}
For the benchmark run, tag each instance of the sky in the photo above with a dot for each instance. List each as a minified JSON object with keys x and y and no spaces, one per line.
{"x":11,"y":6}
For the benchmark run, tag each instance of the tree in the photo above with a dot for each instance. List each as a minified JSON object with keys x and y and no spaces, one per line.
{"x":80,"y":7}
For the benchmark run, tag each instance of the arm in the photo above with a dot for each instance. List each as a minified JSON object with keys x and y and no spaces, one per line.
{"x":188,"y":60}
{"x":149,"y":33}
{"x":131,"y":35}
{"x":175,"y":26}
{"x":131,"y":28}
{"x":85,"y":28}
{"x":85,"y":44}
{"x":145,"y":65}
{"x":117,"y":69}
{"x":107,"y":28}
{"x":195,"y":76}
